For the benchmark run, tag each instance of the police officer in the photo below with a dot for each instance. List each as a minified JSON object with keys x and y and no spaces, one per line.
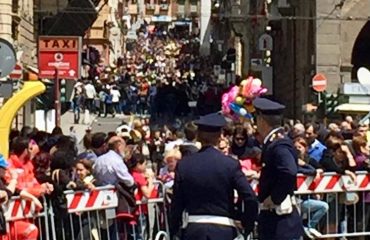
{"x":205,"y":181}
{"x":279,"y":218}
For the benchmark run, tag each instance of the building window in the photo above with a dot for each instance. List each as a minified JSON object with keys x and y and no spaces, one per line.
{"x":15,"y":31}
{"x":15,"y":6}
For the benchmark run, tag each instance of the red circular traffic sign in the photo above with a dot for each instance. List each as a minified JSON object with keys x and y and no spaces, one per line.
{"x":17,"y":72}
{"x":319,"y":82}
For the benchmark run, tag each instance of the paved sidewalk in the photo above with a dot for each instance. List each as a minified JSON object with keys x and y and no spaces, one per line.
{"x":67,"y":121}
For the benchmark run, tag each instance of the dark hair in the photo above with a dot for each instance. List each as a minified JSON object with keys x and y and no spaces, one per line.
{"x":66,"y":143}
{"x":41,"y":138}
{"x":57,"y":131}
{"x":239,"y":129}
{"x":333,"y":134}
{"x":228,"y":129}
{"x":300,"y":140}
{"x":316,"y":127}
{"x":190,"y":130}
{"x":26,"y":131}
{"x":87,"y":140}
{"x":334,"y":141}
{"x":62,"y":159}
{"x":42,"y":159}
{"x":19,"y":144}
{"x":209,"y":138}
{"x":13,"y":134}
{"x":358,"y":142}
{"x":136,"y":158}
{"x":272,"y":120}
{"x":111,"y":134}
{"x":98,"y":140}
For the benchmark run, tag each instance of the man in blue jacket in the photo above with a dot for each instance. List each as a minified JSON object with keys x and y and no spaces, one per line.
{"x":203,"y":201}
{"x":279,"y":218}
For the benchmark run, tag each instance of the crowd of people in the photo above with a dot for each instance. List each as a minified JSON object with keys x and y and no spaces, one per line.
{"x":43,"y":164}
{"x":161,"y":75}
{"x":157,"y":80}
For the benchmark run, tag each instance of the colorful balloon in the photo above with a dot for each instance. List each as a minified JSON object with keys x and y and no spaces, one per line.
{"x":239,"y":100}
{"x":240,"y":110}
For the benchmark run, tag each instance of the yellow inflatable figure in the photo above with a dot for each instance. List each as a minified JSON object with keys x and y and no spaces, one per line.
{"x":8,"y":111}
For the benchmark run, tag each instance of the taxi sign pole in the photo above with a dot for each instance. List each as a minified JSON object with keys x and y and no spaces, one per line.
{"x":57,"y":98}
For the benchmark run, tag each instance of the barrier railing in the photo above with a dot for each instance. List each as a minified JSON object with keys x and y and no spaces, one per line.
{"x":344,"y":203}
{"x":91,"y":214}
{"x":25,"y":220}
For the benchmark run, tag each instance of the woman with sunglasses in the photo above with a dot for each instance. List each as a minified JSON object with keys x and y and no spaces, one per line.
{"x":240,"y":147}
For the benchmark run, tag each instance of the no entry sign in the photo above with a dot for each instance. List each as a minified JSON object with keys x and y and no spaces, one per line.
{"x":319,"y":82}
{"x":17,"y":72}
{"x":59,"y":53}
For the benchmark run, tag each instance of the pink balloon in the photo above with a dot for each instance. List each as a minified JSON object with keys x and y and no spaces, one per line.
{"x":228,"y":98}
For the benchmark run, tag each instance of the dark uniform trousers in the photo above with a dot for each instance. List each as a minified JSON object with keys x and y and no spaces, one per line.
{"x":277,"y":181}
{"x":274,"y":227}
{"x":201,"y":231}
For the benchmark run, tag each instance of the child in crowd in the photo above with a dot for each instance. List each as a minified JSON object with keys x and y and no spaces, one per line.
{"x":224,"y":146}
{"x":167,"y":173}
{"x":251,"y":166}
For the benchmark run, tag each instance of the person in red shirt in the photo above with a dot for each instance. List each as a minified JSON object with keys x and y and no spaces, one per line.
{"x":144,"y":180}
{"x":19,"y":162}
{"x":142,"y":176}
{"x":21,"y":165}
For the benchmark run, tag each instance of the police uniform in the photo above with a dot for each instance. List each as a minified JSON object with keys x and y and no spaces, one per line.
{"x":203,"y":201}
{"x":279,"y":218}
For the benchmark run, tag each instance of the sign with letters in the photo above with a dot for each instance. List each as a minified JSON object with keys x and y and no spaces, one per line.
{"x":60,"y":54}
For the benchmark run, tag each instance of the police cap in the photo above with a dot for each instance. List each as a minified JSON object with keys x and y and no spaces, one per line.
{"x":211,"y":123}
{"x":267,"y":107}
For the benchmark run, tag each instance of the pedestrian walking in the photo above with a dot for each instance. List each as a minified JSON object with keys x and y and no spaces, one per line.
{"x":90,"y":97}
{"x":204,"y":190}
{"x":279,"y":217}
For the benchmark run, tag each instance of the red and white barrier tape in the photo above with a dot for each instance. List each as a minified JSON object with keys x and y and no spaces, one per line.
{"x":94,"y":200}
{"x":18,"y":208}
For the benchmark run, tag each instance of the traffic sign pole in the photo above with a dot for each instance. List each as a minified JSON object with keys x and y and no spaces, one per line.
{"x":57,"y":98}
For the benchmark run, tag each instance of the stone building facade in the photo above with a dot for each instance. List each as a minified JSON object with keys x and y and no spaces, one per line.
{"x":316,"y":37}
{"x":17,"y":27}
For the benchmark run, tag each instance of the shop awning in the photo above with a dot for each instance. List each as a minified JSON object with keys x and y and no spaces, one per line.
{"x":352,"y":107}
{"x":163,"y":18}
{"x":182,"y":23}
{"x":74,"y":20}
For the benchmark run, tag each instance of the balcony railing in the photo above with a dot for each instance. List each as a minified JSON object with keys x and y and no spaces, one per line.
{"x":164,"y":6}
{"x":150,"y":7}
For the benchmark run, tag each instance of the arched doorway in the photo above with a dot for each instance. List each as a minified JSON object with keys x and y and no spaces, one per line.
{"x":361,"y":50}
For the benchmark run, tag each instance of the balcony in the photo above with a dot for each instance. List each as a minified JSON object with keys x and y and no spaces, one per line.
{"x":164,"y":6}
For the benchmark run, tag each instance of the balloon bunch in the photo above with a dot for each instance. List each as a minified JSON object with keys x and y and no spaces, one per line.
{"x":238,"y":101}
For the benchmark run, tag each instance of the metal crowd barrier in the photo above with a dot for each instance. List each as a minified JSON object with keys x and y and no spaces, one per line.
{"x":23,"y":217}
{"x":347,"y":204}
{"x":96,"y":210}
{"x":92,"y":214}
